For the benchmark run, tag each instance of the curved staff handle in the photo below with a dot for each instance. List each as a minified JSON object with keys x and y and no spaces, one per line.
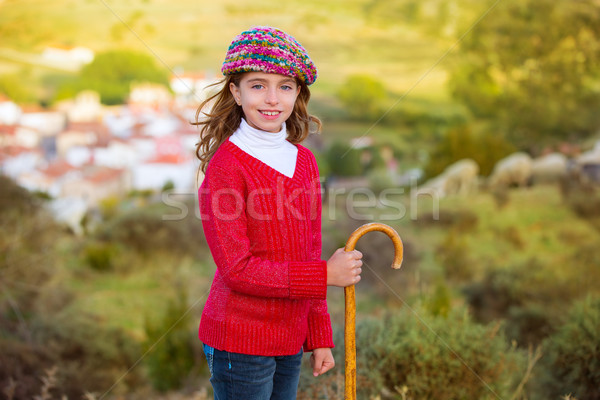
{"x":350,"y":300}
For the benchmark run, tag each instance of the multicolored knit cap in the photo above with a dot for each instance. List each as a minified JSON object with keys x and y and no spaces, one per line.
{"x":269,"y":50}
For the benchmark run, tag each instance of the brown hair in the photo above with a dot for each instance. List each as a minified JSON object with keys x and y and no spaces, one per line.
{"x":224,"y":117}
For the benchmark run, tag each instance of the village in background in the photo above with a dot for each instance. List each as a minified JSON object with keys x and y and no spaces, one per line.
{"x":81,"y":151}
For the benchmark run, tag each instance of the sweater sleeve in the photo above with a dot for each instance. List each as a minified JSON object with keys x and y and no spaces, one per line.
{"x":320,"y":333}
{"x":222,"y":201}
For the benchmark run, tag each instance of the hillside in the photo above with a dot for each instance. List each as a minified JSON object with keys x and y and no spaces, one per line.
{"x":342,"y":37}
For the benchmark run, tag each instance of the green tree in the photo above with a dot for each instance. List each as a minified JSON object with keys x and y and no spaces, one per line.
{"x":534,"y":68}
{"x":344,"y":160}
{"x":485,"y":148}
{"x":112,"y":73}
{"x":362,"y":96}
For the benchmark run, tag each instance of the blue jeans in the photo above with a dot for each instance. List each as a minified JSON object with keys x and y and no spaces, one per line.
{"x":237,"y":376}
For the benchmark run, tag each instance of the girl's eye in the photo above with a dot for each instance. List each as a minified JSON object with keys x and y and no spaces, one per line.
{"x":286,"y":87}
{"x":257,"y":86}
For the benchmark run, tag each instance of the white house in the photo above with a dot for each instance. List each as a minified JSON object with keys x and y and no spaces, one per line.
{"x":68,"y":57}
{"x":74,"y":138}
{"x":160,"y":125}
{"x":50,"y":179}
{"x":149,"y":95}
{"x":120,"y":121}
{"x":79,"y":155}
{"x":26,"y":136}
{"x":155,"y":173}
{"x":47,"y":123}
{"x":10,"y":112}
{"x":84,"y":107}
{"x":97,"y":183}
{"x":120,"y":154}
{"x":15,"y":160}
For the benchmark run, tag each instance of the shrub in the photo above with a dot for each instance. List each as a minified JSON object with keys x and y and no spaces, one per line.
{"x":27,"y":236}
{"x":109,"y":207}
{"x":168,"y":186}
{"x":89,"y":356}
{"x":440,"y":301}
{"x":528,"y":296}
{"x":512,"y":236}
{"x":99,"y":256}
{"x":169,"y":345}
{"x":426,"y":357}
{"x":144,"y":231}
{"x":453,"y":256}
{"x":573,"y":359}
{"x":15,"y":199}
{"x":437,"y":357}
{"x":20,"y":365}
{"x":494,"y":295}
{"x":528,"y":325}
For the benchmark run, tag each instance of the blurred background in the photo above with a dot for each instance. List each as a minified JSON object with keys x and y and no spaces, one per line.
{"x":471,"y":127}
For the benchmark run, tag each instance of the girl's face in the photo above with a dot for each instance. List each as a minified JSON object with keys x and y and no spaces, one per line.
{"x":266,"y":99}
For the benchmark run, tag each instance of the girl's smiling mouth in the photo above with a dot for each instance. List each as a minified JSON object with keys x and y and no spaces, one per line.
{"x":270,"y":114}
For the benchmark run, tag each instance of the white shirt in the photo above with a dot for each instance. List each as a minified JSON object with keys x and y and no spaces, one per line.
{"x":271,"y":148}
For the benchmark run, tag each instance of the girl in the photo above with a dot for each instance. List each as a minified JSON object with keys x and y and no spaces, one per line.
{"x":261,"y":213}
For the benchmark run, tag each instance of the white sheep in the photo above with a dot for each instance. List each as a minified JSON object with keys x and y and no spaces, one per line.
{"x":549,"y":168}
{"x":461,"y":177}
{"x":435,"y":187}
{"x":587,"y":164}
{"x":514,"y":169}
{"x":590,"y":157}
{"x":458,"y":178}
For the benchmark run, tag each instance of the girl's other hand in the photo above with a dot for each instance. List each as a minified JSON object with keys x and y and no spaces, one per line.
{"x":321,"y":361}
{"x":344,"y":268}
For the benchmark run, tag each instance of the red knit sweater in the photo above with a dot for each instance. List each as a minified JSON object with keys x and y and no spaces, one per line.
{"x":264,"y":232}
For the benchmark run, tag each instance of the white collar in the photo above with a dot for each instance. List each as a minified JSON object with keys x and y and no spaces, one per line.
{"x":258,"y":139}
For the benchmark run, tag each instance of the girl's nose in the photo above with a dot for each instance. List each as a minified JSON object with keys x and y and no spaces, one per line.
{"x":272,"y":97}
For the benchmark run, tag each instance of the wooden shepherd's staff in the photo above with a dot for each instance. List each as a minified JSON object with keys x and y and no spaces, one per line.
{"x":350,"y":325}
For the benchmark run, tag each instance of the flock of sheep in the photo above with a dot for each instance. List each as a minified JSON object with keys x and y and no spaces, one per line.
{"x":517,"y":169}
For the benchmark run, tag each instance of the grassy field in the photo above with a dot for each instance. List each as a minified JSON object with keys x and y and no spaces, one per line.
{"x":127,"y":300}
